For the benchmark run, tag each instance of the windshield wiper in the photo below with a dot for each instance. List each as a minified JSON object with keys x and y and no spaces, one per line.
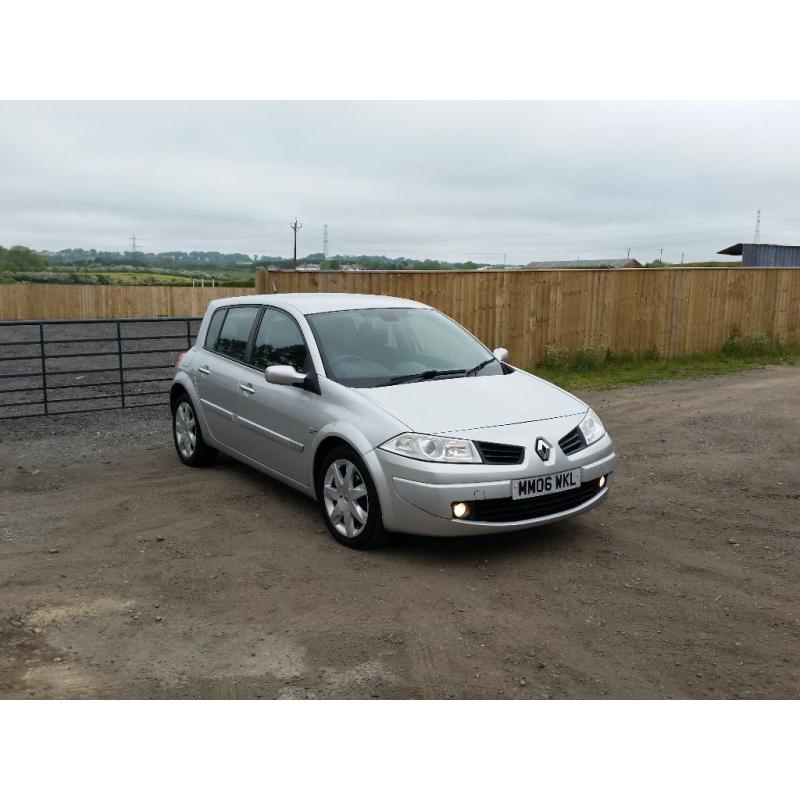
{"x":478,"y":367}
{"x":428,"y":375}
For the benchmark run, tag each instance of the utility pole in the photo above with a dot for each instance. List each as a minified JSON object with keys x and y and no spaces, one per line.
{"x":681,"y":256}
{"x":757,"y":235}
{"x":661,"y":255}
{"x":132,"y":240}
{"x":325,"y":240}
{"x":295,"y":226}
{"x":629,"y":254}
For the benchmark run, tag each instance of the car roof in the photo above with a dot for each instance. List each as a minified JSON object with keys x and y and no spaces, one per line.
{"x":318,"y":302}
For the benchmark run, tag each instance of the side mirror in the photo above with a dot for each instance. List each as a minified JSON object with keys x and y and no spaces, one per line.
{"x":284,"y":375}
{"x":501,"y":354}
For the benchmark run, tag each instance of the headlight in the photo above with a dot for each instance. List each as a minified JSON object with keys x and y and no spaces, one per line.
{"x":591,"y":427}
{"x":433,"y":448}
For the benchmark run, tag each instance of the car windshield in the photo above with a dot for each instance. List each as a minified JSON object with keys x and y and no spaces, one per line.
{"x":383,"y":346}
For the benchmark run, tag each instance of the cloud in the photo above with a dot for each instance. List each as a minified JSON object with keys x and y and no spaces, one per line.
{"x":450,"y":180}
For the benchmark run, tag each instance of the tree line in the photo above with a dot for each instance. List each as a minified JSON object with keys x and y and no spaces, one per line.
{"x":23,"y":259}
{"x":20,"y":259}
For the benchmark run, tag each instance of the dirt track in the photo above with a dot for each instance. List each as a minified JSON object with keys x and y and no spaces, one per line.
{"x":124,"y":574}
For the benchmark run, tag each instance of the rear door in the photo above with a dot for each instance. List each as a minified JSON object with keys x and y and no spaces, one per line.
{"x":220,"y":367}
{"x":275,"y":419}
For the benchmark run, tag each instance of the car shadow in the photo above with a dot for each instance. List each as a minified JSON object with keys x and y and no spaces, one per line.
{"x":548,"y":539}
{"x":561,"y":537}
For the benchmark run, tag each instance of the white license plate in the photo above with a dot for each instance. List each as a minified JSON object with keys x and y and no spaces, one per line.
{"x":525,"y":488}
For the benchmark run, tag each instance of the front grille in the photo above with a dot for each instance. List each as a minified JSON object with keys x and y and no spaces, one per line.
{"x":493,"y":453}
{"x":572,"y":442}
{"x":507,"y":510}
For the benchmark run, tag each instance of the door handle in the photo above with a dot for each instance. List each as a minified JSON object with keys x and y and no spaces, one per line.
{"x":247,"y":387}
{"x":204,"y":370}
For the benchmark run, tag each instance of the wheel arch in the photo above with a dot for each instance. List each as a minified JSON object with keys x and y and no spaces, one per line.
{"x":329,"y":442}
{"x":334,"y":436}
{"x":179,"y":387}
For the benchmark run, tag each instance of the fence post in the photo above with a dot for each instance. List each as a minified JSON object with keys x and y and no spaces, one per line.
{"x":188,"y":334}
{"x":121,"y":373}
{"x":44,"y":367}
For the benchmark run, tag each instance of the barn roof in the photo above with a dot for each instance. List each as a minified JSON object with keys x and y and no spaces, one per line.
{"x":738,"y":249}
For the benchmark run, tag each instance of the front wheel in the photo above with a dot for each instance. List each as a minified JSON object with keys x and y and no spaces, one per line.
{"x":348,"y":500}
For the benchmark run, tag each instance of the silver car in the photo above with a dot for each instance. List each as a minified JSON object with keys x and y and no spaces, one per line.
{"x":388,"y":413}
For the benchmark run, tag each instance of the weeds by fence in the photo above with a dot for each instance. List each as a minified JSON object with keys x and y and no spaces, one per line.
{"x":595,"y":368}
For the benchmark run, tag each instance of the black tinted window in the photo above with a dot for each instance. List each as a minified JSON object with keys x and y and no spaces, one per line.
{"x":279,"y":341}
{"x":235,"y":331}
{"x":213,"y":328}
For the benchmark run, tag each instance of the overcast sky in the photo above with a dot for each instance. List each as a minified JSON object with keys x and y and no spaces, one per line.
{"x":456,"y":181}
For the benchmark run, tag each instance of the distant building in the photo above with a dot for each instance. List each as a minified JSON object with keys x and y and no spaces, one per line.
{"x":307,"y":267}
{"x":765,"y":255}
{"x":590,"y":263}
{"x":351,"y":267}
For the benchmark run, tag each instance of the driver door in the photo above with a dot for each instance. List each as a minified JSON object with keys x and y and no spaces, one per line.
{"x":276,"y":419}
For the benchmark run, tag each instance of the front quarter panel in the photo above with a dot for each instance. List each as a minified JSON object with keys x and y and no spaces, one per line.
{"x":343,"y":413}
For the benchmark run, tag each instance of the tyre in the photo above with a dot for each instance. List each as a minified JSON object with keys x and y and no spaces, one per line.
{"x":188,"y":436}
{"x":349,"y":501}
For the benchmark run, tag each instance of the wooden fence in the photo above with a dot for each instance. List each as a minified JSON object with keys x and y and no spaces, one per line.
{"x":40,"y":301}
{"x":675,"y":311}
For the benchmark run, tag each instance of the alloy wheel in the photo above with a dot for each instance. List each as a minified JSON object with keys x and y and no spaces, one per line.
{"x":185,"y":429}
{"x":346,"y":498}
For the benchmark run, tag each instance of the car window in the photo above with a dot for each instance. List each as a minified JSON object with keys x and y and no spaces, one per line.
{"x":235,"y":331}
{"x":375,"y":346}
{"x":213,"y":328}
{"x":441,"y":343}
{"x":279,"y":341}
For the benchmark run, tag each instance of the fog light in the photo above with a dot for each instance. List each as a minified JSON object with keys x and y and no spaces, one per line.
{"x":460,"y":510}
{"x":602,"y":481}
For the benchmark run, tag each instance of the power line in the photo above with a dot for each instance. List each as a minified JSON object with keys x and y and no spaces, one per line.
{"x":530,"y":239}
{"x":385,"y":238}
{"x":580,"y":232}
{"x":145,"y":207}
{"x":675,"y":239}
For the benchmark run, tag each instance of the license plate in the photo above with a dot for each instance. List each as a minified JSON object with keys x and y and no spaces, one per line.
{"x":525,"y":488}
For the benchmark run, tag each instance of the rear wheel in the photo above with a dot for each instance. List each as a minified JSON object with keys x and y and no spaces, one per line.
{"x":348,"y":500}
{"x":188,"y":436}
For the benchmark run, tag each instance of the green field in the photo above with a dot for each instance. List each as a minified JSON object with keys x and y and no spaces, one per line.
{"x":134,"y":278}
{"x":71,"y":276}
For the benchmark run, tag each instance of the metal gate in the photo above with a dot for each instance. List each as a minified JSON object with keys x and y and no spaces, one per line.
{"x":74,"y":366}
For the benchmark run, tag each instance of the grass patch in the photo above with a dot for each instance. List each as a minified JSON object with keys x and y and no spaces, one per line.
{"x":596,"y":368}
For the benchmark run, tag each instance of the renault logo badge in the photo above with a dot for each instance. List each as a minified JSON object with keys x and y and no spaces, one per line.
{"x":543,"y":448}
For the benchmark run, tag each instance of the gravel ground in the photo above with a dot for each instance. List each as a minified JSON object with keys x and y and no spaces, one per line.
{"x":125,"y":574}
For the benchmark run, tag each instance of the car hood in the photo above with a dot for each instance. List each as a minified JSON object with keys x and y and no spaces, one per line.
{"x":459,"y":404}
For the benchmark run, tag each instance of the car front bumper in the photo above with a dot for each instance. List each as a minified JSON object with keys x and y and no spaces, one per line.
{"x":417,"y":497}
